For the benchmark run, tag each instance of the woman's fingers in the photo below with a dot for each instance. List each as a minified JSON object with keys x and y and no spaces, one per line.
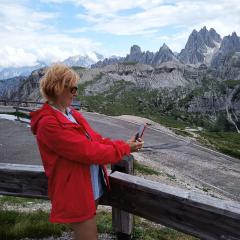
{"x":135,"y":146}
{"x":139,"y":144}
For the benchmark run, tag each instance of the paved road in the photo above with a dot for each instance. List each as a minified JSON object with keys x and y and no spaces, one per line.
{"x":173,"y":154}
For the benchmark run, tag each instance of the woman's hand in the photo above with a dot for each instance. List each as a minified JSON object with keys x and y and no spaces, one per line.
{"x":135,"y":146}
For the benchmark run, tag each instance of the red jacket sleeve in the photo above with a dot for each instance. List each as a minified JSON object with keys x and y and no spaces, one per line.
{"x":72,"y":144}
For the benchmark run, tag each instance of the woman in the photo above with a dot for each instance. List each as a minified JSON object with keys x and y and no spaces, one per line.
{"x":73,"y":154}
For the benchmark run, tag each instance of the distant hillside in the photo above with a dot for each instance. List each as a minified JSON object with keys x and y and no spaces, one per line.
{"x":205,"y":90}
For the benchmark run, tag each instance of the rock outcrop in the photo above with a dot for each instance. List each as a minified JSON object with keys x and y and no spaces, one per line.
{"x":9,"y":86}
{"x":136,"y":55}
{"x":230,"y":48}
{"x":108,"y":61}
{"x":22,"y":88}
{"x":200,"y":47}
{"x":163,"y":55}
{"x":165,"y":75}
{"x":12,"y":72}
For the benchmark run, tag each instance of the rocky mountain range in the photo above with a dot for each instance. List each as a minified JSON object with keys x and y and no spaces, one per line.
{"x":11,"y":72}
{"x":164,"y":69}
{"x":20,"y":88}
{"x":203,"y":47}
{"x":10,"y":86}
{"x":204,"y":78}
{"x":137,"y":56}
{"x":83,"y":61}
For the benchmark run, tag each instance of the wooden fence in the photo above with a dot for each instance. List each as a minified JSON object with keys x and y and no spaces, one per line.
{"x":25,"y":107}
{"x":7,"y":102}
{"x":189,"y":212}
{"x":22,"y":103}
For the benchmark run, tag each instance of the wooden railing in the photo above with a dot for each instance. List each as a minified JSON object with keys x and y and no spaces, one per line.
{"x":17,"y":105}
{"x":21,"y":103}
{"x":189,"y":212}
{"x":6,"y":102}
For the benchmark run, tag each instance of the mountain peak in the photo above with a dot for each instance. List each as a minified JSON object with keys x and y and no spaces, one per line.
{"x":234,"y":34}
{"x":212,"y":30}
{"x":136,"y":55}
{"x":200,"y":46}
{"x":203,"y":30}
{"x":83,"y":61}
{"x":194,"y":32}
{"x":163,"y":55}
{"x":164,"y":47}
{"x":135,"y":49}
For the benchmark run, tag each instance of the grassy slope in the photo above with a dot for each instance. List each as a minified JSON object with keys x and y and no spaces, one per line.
{"x":123,"y":98}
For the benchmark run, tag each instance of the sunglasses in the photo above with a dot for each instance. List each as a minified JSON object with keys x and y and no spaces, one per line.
{"x":73,"y":90}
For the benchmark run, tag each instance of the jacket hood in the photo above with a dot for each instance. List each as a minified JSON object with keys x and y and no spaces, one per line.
{"x":47,"y":110}
{"x":37,"y":115}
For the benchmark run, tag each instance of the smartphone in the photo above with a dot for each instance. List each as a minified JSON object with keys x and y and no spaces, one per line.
{"x":140,"y":131}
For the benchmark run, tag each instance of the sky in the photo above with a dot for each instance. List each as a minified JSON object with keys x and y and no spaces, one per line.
{"x":53,"y":30}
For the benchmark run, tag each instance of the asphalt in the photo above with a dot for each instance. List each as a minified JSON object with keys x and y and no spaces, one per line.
{"x":176,"y":155}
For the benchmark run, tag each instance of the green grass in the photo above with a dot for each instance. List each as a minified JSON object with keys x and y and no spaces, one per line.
{"x":104,"y":222}
{"x":78,"y":68}
{"x":129,"y":63}
{"x":15,"y":225}
{"x":232,"y":83}
{"x":144,"y":169}
{"x":182,"y":132}
{"x":18,"y":200}
{"x":144,"y":230}
{"x":171,"y":177}
{"x":225,"y":142}
{"x":170,"y":121}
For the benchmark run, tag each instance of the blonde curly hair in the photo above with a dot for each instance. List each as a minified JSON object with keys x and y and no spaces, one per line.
{"x":57,"y":77}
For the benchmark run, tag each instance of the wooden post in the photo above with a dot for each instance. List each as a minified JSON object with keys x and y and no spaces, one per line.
{"x":17,"y":113}
{"x":122,"y":222}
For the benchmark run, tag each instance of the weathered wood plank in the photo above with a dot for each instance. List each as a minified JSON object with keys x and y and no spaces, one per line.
{"x":23,"y":180}
{"x":193,"y":213}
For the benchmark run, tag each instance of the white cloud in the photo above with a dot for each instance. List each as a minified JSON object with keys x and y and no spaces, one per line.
{"x":223,"y":15}
{"x":26,"y":36}
{"x":16,"y":57}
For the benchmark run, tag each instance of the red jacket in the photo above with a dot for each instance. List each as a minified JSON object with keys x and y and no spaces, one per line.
{"x":67,"y":154}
